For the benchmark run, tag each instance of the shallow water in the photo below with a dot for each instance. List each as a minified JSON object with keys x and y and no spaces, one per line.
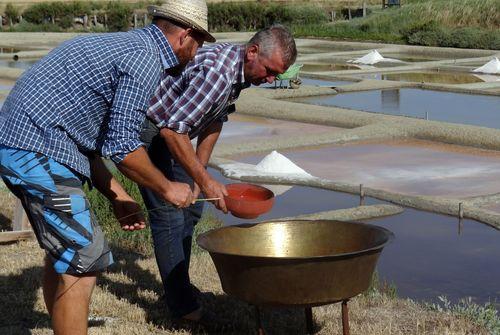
{"x":428,"y":257}
{"x":241,"y":128}
{"x":478,"y":110}
{"x":427,"y":77}
{"x":417,"y":167}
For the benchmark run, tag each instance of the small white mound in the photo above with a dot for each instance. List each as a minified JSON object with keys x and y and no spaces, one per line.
{"x":492,"y":67}
{"x":277,"y":163}
{"x":373,"y":57}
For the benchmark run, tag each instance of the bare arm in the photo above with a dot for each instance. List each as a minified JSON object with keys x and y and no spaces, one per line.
{"x":138,"y":167}
{"x":181,"y":148}
{"x":204,"y":147}
{"x":127,"y":210}
{"x":206,"y":142}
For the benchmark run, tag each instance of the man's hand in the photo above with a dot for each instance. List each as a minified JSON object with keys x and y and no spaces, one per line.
{"x":179,"y":194}
{"x":129,"y":214}
{"x":214,"y":189}
{"x":196,"y":193}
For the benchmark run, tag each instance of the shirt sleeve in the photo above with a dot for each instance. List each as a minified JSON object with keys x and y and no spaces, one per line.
{"x":138,"y":74}
{"x":205,"y":89}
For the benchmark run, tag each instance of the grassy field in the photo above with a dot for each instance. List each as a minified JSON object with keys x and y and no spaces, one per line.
{"x":447,"y":23}
{"x":128,"y":301}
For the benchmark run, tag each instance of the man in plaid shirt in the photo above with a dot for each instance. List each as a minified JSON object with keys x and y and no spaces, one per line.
{"x":87,"y":99}
{"x":192,"y":105}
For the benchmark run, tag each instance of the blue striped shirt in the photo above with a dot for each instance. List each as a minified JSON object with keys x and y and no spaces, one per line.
{"x":89,"y":95}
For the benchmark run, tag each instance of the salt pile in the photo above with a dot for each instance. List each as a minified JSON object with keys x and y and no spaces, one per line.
{"x":373,"y":57}
{"x":492,"y":67}
{"x":277,"y":163}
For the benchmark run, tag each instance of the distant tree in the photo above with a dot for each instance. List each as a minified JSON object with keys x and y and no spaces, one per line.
{"x":12,"y":13}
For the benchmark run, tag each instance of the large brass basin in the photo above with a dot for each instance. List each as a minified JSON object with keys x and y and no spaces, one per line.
{"x":298,"y":263}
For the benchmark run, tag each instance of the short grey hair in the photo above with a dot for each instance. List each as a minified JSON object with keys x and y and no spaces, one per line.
{"x":276,"y":36}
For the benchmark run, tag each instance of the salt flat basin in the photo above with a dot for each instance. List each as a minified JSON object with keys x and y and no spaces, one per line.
{"x":410,"y":167}
{"x":241,"y":127}
{"x":319,"y":67}
{"x":442,"y":77}
{"x":478,"y":110}
{"x":300,"y":263}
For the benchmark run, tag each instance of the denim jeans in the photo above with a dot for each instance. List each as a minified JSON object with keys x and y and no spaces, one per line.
{"x":172,"y":229}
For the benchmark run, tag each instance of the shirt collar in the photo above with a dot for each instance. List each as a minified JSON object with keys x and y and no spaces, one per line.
{"x":167,"y":55}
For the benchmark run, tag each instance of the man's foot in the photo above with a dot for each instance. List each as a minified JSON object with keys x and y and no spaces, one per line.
{"x":194,"y":315}
{"x":199,"y":320}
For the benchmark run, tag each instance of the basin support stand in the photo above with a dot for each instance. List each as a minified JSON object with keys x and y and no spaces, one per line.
{"x":345,"y":318}
{"x":309,"y":320}
{"x":260,"y":330}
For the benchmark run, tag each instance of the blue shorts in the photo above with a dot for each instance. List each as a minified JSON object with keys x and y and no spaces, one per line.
{"x":58,"y":210}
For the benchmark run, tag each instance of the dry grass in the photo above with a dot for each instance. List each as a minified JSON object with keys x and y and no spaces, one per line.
{"x":127,"y":301}
{"x":7,"y":203}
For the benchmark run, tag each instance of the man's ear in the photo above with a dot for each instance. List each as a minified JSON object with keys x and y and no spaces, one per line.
{"x":184,"y":35}
{"x":252,"y":52}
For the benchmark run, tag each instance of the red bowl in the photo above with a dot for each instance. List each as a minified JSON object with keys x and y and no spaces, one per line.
{"x":247,"y":201}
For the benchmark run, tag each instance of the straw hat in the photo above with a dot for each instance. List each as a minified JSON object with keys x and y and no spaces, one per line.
{"x":192,"y":13}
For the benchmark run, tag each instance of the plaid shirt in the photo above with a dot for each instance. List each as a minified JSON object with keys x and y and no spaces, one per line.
{"x":88,"y":95}
{"x":204,"y":92}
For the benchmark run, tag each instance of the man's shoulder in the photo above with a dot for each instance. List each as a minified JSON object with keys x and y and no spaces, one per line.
{"x":220,"y":57}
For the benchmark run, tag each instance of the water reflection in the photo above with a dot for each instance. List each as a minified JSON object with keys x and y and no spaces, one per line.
{"x":429,"y":258}
{"x":479,"y":110}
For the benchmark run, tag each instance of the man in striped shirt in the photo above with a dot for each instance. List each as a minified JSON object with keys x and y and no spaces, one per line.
{"x":87,"y":99}
{"x":192,"y":105}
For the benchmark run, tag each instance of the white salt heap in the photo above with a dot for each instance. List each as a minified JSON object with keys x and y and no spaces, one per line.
{"x":373,"y":57}
{"x":277,"y":163}
{"x":492,"y":67}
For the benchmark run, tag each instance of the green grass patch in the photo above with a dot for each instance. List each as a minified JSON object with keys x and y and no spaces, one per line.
{"x":137,"y":241}
{"x":443,"y":23}
{"x":482,"y":315}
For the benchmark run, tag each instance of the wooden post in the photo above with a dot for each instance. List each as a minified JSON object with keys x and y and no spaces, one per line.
{"x":105,"y":20}
{"x":85,"y":21}
{"x":135,"y":20}
{"x":364,"y":8}
{"x":95,"y":20}
{"x":349,"y":11}
{"x":1,"y":22}
{"x":145,"y":20}
{"x":20,"y":221}
{"x":361,"y":195}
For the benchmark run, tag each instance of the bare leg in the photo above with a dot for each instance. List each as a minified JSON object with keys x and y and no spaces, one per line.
{"x":50,"y":279}
{"x":67,"y":299}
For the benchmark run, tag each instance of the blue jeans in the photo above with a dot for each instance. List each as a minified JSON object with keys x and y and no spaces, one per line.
{"x":172,"y":231}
